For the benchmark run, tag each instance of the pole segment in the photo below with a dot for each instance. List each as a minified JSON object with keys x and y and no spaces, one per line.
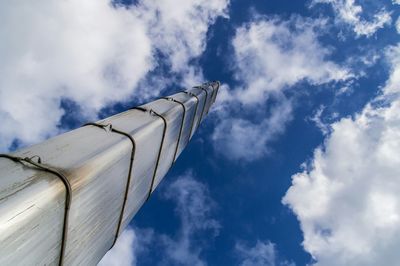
{"x":66,"y":200}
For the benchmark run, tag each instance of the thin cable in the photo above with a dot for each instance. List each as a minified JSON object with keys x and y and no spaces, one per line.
{"x":195,"y":112}
{"x":217,"y":90}
{"x":204,"y":89}
{"x":205,"y":102}
{"x":213,"y":94}
{"x":152,"y":112}
{"x":183,"y":120}
{"x":159,"y":152}
{"x":128,"y":182}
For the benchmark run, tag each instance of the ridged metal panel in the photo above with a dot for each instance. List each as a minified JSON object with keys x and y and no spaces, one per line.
{"x":96,"y":162}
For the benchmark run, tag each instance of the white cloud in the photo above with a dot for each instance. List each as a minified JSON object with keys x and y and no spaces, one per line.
{"x":194,"y":207}
{"x":72,"y":49}
{"x":347,"y":200}
{"x":130,"y":244}
{"x":179,"y":27}
{"x":261,"y":254}
{"x":270,"y":56}
{"x":241,"y":139}
{"x":90,"y":52}
{"x":123,"y":253}
{"x":317,"y":118}
{"x":349,"y":12}
{"x":178,"y":30}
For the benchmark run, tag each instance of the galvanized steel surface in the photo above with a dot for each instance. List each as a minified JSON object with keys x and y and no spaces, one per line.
{"x":96,"y":163}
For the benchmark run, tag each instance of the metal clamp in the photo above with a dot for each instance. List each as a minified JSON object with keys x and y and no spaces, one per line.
{"x":183,"y":121}
{"x":152,"y":112}
{"x":195,"y":112}
{"x":68,"y":192}
{"x":128,"y":183}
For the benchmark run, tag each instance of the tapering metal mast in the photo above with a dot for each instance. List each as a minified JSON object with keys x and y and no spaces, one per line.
{"x":65,"y":201}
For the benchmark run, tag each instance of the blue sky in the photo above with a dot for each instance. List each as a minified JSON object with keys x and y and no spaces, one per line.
{"x":297,"y":163}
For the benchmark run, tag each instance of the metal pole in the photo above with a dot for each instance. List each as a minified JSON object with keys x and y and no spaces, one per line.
{"x":66,"y":200}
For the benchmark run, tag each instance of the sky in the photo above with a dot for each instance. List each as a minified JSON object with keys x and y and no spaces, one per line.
{"x":298,"y":163}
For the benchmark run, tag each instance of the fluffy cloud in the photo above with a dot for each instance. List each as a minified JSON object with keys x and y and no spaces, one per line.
{"x":347,"y":200}
{"x":93,"y":53}
{"x":65,"y":49}
{"x":123,"y":253}
{"x":233,"y":137}
{"x":261,"y":254}
{"x":132,"y":243}
{"x":194,"y":207}
{"x":178,"y":30}
{"x":350,"y":13}
{"x":317,"y":120}
{"x":179,"y":27}
{"x":270,"y":56}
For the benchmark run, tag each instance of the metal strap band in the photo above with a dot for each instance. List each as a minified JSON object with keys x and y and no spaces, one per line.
{"x":68,"y":193}
{"x":204,"y":89}
{"x":205,"y":102}
{"x":128,"y":182}
{"x":214,"y":93}
{"x":152,"y":112}
{"x":183,"y":121}
{"x":159,"y":152}
{"x":217,"y":90}
{"x":195,"y":112}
